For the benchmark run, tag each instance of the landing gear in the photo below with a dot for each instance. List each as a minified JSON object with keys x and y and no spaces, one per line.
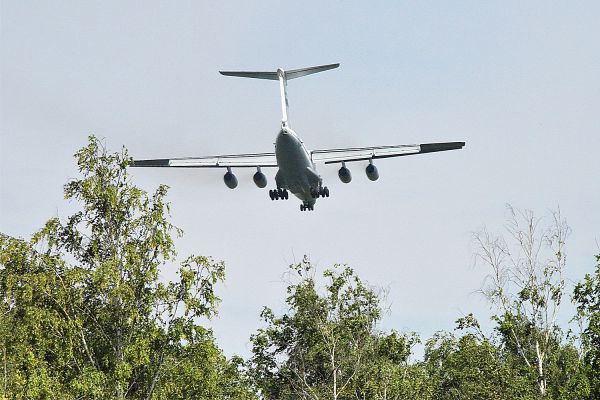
{"x":320,"y":192}
{"x":278,"y":194}
{"x":307,"y":207}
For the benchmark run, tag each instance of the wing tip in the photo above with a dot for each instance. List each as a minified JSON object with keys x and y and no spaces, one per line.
{"x":433,"y":147}
{"x":164,"y":162}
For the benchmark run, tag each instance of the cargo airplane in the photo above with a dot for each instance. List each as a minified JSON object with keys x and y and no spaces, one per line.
{"x":297,"y":172}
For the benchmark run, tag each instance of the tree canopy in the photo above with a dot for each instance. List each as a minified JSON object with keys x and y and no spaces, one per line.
{"x":587,"y":299}
{"x":85,"y":312}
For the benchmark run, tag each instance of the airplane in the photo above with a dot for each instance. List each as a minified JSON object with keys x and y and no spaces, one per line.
{"x":297,"y":171}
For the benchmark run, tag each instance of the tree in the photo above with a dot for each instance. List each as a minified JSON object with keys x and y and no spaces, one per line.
{"x":474,"y":365}
{"x":469,"y":367}
{"x":587,"y":299}
{"x":84,"y":313}
{"x":526,"y":285}
{"x":388,"y":373}
{"x":321,"y":345}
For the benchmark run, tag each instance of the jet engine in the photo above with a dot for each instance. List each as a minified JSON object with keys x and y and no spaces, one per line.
{"x":372,"y":172}
{"x":259,"y":178}
{"x":344,"y":174}
{"x":230,"y":179}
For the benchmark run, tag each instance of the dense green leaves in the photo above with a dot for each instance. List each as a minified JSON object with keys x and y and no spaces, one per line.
{"x":84,"y":313}
{"x":327,"y":346}
{"x":587,"y":299}
{"x":475,"y":366}
{"x":467,"y":367}
{"x":323,"y":344}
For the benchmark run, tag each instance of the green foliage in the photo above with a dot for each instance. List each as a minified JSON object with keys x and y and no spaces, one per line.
{"x":84,"y":313}
{"x":468,"y":367}
{"x":525,"y":285}
{"x":473,"y":366}
{"x":326,"y":346}
{"x":567,"y":375}
{"x":587,"y":299}
{"x":325,"y":342}
{"x":388,"y":374}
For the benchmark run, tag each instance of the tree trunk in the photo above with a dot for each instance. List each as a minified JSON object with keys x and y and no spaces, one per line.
{"x":335,"y":394}
{"x":5,"y":371}
{"x":540,"y":362}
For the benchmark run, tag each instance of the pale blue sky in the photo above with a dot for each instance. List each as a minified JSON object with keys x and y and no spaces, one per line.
{"x":518,"y":81}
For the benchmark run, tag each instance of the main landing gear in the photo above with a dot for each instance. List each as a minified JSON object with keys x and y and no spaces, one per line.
{"x":307,"y":207}
{"x":320,"y":192}
{"x":278,"y":194}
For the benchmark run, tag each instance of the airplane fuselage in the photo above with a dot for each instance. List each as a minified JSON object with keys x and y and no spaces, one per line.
{"x":297,"y":172}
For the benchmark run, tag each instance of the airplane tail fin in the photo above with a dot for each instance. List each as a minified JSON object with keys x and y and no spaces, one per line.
{"x":282,"y":76}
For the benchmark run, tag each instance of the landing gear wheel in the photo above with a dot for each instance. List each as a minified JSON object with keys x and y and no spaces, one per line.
{"x":283,"y":194}
{"x":279,"y":194}
{"x":320,"y":192}
{"x":307,"y":207}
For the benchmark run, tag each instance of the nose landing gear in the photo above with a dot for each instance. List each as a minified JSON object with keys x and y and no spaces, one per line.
{"x":307,"y":207}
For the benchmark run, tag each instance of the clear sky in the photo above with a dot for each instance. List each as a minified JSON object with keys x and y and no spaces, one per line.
{"x":518,"y":81}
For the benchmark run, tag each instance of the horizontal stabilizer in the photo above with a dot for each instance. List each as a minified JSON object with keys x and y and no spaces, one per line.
{"x":291,"y":74}
{"x":258,"y":75}
{"x":297,"y":73}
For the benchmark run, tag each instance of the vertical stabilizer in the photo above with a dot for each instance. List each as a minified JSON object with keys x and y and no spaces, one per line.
{"x":283,"y":96}
{"x":283,"y":77}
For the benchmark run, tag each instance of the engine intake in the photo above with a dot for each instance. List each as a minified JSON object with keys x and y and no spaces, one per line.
{"x":259,"y":178}
{"x":344,"y":174}
{"x":371,"y":171}
{"x":230,"y":179}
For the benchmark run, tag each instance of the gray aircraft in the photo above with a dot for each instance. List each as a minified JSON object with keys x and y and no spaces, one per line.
{"x":297,"y":171}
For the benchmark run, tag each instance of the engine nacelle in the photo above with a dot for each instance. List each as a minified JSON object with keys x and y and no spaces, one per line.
{"x":344,"y":174}
{"x":260,"y":179}
{"x":372,"y":172}
{"x":230,"y":179}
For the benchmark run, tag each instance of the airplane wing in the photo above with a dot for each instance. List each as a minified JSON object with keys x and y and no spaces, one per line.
{"x":331,"y":156}
{"x":231,"y":160}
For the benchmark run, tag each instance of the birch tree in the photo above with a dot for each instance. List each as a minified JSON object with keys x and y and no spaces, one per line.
{"x":317,"y":349}
{"x":85,"y":312}
{"x":526,"y":284}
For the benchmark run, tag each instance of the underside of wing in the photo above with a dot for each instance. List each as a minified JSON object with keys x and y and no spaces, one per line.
{"x":232,"y":160}
{"x":331,"y":156}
